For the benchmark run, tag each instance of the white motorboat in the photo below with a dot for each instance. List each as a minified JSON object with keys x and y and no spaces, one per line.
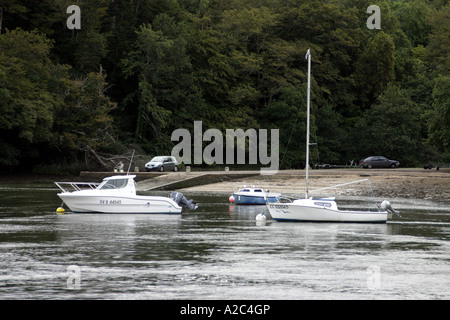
{"x":323,"y":210}
{"x":251,"y":195}
{"x":117,"y":194}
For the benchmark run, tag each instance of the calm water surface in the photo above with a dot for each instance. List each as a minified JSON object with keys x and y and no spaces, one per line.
{"x":217,"y":252}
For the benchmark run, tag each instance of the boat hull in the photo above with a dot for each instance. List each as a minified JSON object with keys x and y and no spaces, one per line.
{"x":80,"y":203}
{"x":304,"y":213}
{"x":240,"y":199}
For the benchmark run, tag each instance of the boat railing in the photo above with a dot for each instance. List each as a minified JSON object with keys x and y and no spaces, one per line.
{"x":370,"y":194}
{"x":76,"y":186}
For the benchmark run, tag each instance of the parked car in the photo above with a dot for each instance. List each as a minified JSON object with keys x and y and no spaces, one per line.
{"x":378,"y":162}
{"x":162,"y":163}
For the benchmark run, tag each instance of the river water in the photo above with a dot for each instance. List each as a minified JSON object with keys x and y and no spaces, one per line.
{"x":217,"y":252}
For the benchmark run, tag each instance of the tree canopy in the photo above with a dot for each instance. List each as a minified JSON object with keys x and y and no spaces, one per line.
{"x":139,"y":69}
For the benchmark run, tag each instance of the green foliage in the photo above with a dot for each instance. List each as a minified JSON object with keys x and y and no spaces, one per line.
{"x":414,"y":17}
{"x":163,"y":68}
{"x":439,"y":116}
{"x":288,"y":114}
{"x":137,"y":70}
{"x":438,"y":54}
{"x":392,"y":127}
{"x":375,"y":67}
{"x":26,"y":105}
{"x":41,"y":106}
{"x":82,"y":121}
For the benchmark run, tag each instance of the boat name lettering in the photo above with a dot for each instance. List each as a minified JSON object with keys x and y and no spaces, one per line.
{"x":110,"y":201}
{"x":278,"y":206}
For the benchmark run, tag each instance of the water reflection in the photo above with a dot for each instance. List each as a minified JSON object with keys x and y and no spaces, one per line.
{"x":216,"y":252}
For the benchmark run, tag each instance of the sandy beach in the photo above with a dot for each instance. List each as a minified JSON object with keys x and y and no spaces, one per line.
{"x":402,"y":183}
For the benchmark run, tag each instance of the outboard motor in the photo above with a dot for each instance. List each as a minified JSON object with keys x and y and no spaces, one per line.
{"x":181,"y":200}
{"x":386,"y":205}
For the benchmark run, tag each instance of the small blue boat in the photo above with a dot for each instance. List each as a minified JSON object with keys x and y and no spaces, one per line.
{"x":254,"y":196}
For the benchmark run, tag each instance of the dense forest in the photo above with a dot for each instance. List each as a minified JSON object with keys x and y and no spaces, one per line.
{"x":137,"y":70}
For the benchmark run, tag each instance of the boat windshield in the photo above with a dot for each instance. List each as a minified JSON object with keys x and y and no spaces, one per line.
{"x":250,"y":190}
{"x":113,"y":184}
{"x":323,"y":204}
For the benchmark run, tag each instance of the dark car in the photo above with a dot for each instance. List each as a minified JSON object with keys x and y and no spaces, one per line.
{"x":162,"y":163}
{"x":378,"y":162}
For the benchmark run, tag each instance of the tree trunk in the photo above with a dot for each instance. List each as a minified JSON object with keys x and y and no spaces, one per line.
{"x":97,"y":157}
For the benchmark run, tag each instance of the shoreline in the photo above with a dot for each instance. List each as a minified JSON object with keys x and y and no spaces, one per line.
{"x":401,"y":183}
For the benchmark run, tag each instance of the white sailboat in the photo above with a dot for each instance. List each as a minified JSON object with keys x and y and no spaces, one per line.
{"x":326,"y":209}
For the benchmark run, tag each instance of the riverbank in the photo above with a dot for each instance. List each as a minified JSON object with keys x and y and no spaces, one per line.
{"x":402,"y":183}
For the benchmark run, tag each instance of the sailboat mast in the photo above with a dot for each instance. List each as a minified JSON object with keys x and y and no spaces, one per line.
{"x":131,"y":160}
{"x":308,"y":98}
